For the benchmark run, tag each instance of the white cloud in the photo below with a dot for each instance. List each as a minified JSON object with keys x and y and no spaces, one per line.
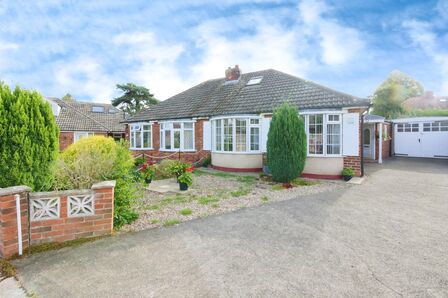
{"x":155,"y":63}
{"x":84,"y":76}
{"x":270,"y":46}
{"x":340,"y":44}
{"x":423,"y":36}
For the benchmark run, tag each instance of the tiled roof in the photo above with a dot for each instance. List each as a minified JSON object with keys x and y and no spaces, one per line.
{"x":78,"y":116}
{"x":218,"y":97}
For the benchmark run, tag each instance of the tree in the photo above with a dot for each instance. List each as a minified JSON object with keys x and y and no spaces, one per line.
{"x":134,"y":99}
{"x":389,"y":96}
{"x":68,"y":97}
{"x":28,"y":139}
{"x":286,"y":147}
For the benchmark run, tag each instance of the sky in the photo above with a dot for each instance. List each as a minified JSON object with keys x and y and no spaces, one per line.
{"x":85,"y":48}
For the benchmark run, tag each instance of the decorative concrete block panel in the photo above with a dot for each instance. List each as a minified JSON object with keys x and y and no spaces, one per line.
{"x":82,"y":205}
{"x":45,"y":208}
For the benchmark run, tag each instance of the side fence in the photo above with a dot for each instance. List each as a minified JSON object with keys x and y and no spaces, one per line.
{"x":32,"y":218}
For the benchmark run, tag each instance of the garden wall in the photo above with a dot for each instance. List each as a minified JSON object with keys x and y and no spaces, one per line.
{"x":55,"y":216}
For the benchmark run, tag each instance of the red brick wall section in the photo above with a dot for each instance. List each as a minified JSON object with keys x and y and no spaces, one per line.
{"x":65,"y":139}
{"x":190,"y":157}
{"x":8,"y":220}
{"x":67,"y":228}
{"x":354,"y":162}
{"x":60,"y":229}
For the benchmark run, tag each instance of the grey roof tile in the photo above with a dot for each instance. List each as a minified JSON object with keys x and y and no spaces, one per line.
{"x":216,"y":97}
{"x":78,"y":116}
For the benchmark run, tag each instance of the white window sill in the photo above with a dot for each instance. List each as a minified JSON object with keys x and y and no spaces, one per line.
{"x":141,"y":148}
{"x":176,"y":150}
{"x":324,"y":155}
{"x":238,"y":152}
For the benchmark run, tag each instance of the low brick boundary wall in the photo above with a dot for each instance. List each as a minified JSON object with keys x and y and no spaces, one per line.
{"x":55,"y":216}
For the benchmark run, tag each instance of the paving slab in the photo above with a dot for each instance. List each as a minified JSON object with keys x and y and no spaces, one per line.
{"x":165,"y":186}
{"x":10,"y":288}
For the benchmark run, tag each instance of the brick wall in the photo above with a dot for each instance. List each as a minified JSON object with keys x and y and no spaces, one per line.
{"x":8,"y":219}
{"x":354,"y":162}
{"x":190,"y":157}
{"x":65,"y":139}
{"x":50,"y":219}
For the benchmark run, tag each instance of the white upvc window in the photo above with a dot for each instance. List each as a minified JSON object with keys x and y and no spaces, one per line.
{"x":177,"y":136}
{"x":324,"y":134}
{"x":141,"y":136}
{"x":240,"y":134}
{"x":81,"y":134}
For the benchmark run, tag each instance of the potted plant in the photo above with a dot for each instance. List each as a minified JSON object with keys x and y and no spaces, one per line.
{"x":147,"y":171}
{"x":185,"y":180}
{"x":347,"y":173}
{"x":178,"y":168}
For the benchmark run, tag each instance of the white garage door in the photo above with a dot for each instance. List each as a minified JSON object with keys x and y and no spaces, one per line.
{"x":422,"y":139}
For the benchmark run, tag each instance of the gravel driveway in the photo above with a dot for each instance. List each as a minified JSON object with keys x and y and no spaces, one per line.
{"x":385,"y":238}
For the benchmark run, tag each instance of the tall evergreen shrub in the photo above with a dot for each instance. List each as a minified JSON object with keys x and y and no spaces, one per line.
{"x":286,"y":147}
{"x":28,"y":139}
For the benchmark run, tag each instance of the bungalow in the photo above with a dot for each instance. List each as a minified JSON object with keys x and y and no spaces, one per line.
{"x":77,"y":120}
{"x":229,"y":118}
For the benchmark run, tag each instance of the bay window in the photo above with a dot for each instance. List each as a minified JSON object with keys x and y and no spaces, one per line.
{"x":324,"y":134}
{"x":141,"y":136}
{"x":239,"y":134}
{"x":175,"y":136}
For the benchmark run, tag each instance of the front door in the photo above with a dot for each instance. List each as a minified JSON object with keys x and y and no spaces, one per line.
{"x":369,"y":142}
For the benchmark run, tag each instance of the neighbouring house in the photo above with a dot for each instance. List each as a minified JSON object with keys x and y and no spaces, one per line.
{"x":376,"y":138}
{"x":78,"y":119}
{"x":426,"y":101}
{"x":229,"y":118}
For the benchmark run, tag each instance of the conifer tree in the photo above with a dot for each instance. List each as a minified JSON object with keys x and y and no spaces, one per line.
{"x":28,"y":139}
{"x":286,"y":147}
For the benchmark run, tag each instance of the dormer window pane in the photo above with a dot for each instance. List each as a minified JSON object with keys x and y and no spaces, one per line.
{"x":254,"y":81}
{"x":97,"y":109}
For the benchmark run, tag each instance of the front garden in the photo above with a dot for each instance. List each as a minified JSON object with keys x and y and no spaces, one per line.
{"x":213,"y":192}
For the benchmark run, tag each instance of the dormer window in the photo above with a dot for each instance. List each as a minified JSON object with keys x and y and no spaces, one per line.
{"x":112,"y":111}
{"x":254,"y":81}
{"x":97,"y":109}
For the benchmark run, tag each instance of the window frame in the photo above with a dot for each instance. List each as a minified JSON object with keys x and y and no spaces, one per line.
{"x":256,"y":123}
{"x":325,"y":121}
{"x":84,"y":134}
{"x":169,"y":126}
{"x":132,"y":143}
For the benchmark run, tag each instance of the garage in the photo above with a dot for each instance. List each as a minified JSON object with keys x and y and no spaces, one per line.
{"x":421,"y":137}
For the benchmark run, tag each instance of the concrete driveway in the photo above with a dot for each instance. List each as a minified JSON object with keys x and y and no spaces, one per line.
{"x":387,"y":237}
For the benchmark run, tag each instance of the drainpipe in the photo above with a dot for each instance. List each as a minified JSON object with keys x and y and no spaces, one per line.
{"x":19,"y":223}
{"x":380,"y":143}
{"x":361,"y":146}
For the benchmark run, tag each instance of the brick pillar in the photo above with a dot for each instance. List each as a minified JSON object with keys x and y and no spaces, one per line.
{"x":9,"y":241}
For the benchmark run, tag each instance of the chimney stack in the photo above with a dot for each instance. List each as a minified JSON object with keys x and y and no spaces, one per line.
{"x":233,"y":74}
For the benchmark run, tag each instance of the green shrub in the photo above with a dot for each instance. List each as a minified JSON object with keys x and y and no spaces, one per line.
{"x":29,"y":139}
{"x":207,"y":161}
{"x":348,"y":172}
{"x":286,"y":147}
{"x":96,"y":159}
{"x":139,"y":161}
{"x":163,"y":169}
